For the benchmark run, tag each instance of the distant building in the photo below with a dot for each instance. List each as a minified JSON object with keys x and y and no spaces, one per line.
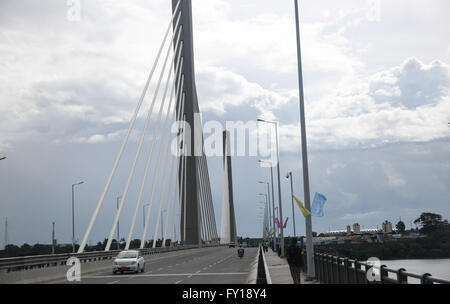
{"x":386,"y":227}
{"x":356,"y":228}
{"x":349,"y":230}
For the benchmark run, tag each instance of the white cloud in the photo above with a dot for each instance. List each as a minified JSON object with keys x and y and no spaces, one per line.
{"x":334,"y":166}
{"x":393,"y":177}
{"x":70,"y":80}
{"x":222,"y":89}
{"x":360,"y":216}
{"x":410,"y":102}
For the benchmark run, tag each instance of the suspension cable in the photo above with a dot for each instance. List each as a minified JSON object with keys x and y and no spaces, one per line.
{"x":169,"y":205}
{"x":141,"y":141}
{"x":125,"y":140}
{"x":175,"y":108}
{"x":179,"y":46}
{"x":157,"y":171}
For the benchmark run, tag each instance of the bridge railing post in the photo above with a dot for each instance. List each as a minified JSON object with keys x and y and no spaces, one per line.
{"x":401,"y":277}
{"x":316,"y":266}
{"x":383,"y":274}
{"x":338,"y":270}
{"x":335,"y":270}
{"x":355,"y":272}
{"x":346,"y":271}
{"x":330,"y":259}
{"x":320,"y":264}
{"x":424,"y":279}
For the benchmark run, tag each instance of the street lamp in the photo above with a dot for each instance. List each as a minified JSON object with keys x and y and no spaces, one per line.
{"x":3,"y":158}
{"x":273,"y":200}
{"x":267,"y":204}
{"x":276,"y":214}
{"x":270,"y":209}
{"x":308,"y":222}
{"x":279,"y":183}
{"x":289,"y":175}
{"x":73,"y":215}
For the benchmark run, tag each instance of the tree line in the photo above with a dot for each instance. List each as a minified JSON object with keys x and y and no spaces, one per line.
{"x":433,"y":242}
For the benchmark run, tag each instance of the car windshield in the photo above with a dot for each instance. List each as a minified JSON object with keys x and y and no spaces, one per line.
{"x":127,"y":255}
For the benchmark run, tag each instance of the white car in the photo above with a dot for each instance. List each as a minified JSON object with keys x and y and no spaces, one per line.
{"x":129,"y":260}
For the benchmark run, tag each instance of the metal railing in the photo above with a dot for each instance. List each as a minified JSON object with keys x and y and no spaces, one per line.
{"x":51,"y":260}
{"x":332,"y":269}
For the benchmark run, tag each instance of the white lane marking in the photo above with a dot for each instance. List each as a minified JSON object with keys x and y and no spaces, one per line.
{"x":171,"y":275}
{"x":114,"y":282}
{"x":177,"y":282}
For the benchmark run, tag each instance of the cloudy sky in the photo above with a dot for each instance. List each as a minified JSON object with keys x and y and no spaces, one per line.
{"x":377,"y":91}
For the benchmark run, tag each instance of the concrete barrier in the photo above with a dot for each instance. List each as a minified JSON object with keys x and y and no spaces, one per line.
{"x":51,"y":273}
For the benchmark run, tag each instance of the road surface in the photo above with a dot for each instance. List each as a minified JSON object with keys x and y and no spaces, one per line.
{"x":217,"y":265}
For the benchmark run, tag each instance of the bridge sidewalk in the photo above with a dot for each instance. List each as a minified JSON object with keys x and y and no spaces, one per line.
{"x":278,"y":268}
{"x":279,"y":271}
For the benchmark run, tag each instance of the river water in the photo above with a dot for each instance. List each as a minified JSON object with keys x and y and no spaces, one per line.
{"x":439,"y":268}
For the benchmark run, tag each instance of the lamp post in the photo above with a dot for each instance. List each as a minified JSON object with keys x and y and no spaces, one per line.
{"x":270,"y":210}
{"x":263,"y":209}
{"x":267,"y":202}
{"x":279,"y":183}
{"x":309,"y":244}
{"x":276,"y":214}
{"x":266,"y":218}
{"x":2,"y":158}
{"x":273,"y":200}
{"x":289,"y":175}
{"x":73,"y":215}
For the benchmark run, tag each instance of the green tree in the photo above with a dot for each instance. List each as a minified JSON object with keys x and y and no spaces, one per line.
{"x":400,"y":227}
{"x":431,"y":222}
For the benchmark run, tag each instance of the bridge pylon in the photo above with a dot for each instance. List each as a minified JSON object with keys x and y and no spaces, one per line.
{"x":191,"y":209}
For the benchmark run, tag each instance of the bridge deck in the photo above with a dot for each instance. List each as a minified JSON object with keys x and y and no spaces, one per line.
{"x":217,"y":265}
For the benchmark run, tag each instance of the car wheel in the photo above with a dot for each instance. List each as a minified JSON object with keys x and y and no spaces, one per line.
{"x":114,"y":272}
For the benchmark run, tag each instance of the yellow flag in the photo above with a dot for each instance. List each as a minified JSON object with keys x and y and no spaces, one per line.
{"x":302,"y":208}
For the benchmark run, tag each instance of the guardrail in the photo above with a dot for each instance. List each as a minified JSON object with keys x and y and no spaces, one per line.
{"x":51,"y":260}
{"x":332,"y":269}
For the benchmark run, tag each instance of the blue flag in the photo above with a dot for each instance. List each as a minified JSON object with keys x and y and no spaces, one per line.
{"x":317,"y":206}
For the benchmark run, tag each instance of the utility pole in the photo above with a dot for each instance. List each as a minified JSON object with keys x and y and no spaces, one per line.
{"x":53,"y":238}
{"x":6,"y":233}
{"x":73,"y":215}
{"x":309,"y":243}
